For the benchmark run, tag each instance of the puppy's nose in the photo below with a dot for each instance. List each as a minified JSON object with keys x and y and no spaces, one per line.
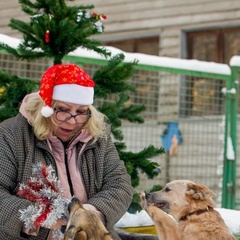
{"x":147,"y":195}
{"x":63,"y":228}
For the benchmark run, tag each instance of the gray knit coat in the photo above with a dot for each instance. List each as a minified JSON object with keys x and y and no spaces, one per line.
{"x":104,"y":175}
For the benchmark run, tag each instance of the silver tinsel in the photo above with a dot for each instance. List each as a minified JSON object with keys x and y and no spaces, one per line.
{"x":47,"y":201}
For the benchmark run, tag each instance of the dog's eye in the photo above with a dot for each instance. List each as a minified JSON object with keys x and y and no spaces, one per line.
{"x":167,"y":189}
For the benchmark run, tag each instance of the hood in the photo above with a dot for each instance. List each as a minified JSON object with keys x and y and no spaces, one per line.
{"x":24,"y":101}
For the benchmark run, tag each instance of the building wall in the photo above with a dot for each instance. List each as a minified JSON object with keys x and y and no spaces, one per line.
{"x":127,"y":19}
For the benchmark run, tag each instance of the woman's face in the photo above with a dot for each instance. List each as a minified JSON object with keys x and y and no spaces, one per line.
{"x":64,"y":125}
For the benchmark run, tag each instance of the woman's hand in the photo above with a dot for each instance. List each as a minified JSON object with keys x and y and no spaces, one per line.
{"x":59,"y":223}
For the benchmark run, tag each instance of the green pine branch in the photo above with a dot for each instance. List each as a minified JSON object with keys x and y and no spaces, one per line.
{"x":118,"y":111}
{"x":8,"y":49}
{"x":136,"y":162}
{"x":12,"y":91}
{"x":113,"y":78}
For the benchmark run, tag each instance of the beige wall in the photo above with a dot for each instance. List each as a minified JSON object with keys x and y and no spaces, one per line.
{"x":165,"y":18}
{"x":138,"y":18}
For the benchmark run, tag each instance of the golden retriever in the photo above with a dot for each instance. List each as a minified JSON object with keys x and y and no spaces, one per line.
{"x":84,"y":224}
{"x":184,"y":210}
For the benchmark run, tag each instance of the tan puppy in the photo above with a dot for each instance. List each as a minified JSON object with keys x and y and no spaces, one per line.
{"x":84,"y":224}
{"x":192,"y":209}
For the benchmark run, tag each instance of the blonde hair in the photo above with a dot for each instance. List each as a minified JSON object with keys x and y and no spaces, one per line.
{"x":96,"y":125}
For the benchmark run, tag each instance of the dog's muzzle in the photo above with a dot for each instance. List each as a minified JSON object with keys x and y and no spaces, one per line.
{"x":162,"y":204}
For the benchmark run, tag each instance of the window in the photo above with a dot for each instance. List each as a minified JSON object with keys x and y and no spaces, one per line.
{"x":217,"y":45}
{"x":214,"y":45}
{"x":148,"y":45}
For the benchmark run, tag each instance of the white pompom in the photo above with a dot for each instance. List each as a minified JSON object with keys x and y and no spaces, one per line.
{"x":46,"y":111}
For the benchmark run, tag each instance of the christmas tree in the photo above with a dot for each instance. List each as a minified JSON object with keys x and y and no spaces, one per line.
{"x":56,"y":29}
{"x":12,"y":91}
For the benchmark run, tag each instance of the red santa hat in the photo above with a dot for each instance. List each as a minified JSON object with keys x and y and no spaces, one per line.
{"x":67,"y":83}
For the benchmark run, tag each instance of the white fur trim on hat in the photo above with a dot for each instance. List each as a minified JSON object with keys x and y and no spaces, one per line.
{"x":73,"y":93}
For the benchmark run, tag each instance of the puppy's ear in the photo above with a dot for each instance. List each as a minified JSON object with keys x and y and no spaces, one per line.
{"x":107,"y":237}
{"x":81,"y":235}
{"x":199,"y":191}
{"x":75,"y":233}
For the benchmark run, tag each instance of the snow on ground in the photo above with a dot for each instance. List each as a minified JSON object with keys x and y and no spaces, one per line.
{"x":231,"y":218}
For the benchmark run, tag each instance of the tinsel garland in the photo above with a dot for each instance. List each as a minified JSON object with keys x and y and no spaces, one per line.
{"x":44,"y":190}
{"x":98,"y":18}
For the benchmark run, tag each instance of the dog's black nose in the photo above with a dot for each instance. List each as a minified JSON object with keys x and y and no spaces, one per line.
{"x":63,"y":228}
{"x":147,"y":194}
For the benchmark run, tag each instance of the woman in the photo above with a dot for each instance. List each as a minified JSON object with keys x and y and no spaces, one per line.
{"x":59,"y":127}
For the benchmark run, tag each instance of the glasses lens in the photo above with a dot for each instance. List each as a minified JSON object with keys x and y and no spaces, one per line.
{"x":82,"y":118}
{"x":65,"y":116}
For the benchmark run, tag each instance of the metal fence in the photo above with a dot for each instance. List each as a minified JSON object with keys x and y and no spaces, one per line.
{"x":191,"y":110}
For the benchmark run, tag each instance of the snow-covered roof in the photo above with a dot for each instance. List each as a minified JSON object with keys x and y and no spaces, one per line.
{"x":235,"y":61}
{"x":145,"y":59}
{"x":167,"y":62}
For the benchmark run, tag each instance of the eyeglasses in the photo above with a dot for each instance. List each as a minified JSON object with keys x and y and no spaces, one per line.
{"x":64,"y":116}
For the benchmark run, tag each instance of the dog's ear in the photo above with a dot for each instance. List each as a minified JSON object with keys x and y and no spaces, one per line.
{"x":199,"y":191}
{"x":81,"y":235}
{"x":143,"y":201}
{"x":75,"y":233}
